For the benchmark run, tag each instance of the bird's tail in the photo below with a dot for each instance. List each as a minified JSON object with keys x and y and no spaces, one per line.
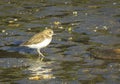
{"x":22,"y":44}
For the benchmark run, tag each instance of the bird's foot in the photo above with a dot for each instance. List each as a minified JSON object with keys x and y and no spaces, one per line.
{"x":41,"y":57}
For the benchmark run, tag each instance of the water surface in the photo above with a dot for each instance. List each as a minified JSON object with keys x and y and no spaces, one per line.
{"x":80,"y":25}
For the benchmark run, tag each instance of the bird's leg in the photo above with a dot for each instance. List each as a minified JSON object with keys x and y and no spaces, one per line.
{"x":40,"y":54}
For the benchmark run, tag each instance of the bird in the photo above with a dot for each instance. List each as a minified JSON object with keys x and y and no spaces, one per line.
{"x":39,"y":40}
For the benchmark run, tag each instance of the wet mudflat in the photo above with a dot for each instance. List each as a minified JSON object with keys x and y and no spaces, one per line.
{"x":85,"y":49}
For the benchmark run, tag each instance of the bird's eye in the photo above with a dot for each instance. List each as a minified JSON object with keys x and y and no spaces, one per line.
{"x":50,"y":32}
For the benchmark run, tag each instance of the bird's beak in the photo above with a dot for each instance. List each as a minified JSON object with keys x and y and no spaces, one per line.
{"x":54,"y":34}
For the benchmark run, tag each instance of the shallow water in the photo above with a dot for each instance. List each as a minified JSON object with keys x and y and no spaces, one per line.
{"x":79,"y":26}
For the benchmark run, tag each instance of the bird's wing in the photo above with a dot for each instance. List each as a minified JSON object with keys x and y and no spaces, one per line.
{"x":35,"y":39}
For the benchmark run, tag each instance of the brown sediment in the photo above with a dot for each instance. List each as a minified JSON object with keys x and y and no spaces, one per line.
{"x":105,"y":53}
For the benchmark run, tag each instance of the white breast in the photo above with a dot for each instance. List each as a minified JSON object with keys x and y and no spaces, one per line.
{"x":40,"y":45}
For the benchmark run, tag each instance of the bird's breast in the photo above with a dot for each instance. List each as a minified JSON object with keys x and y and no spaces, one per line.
{"x":41,"y":44}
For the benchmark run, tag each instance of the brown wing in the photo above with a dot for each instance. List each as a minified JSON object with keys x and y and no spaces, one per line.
{"x":35,"y":39}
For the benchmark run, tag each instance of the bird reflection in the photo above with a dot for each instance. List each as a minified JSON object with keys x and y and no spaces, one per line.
{"x":39,"y":70}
